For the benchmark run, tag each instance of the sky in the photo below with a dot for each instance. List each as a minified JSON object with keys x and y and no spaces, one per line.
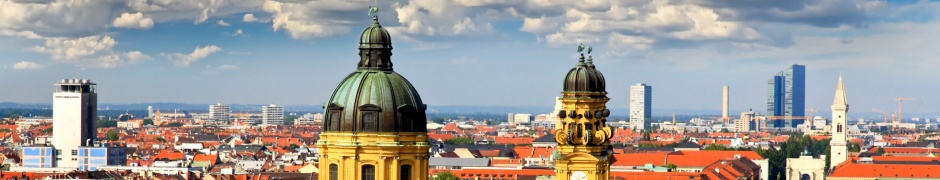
{"x":474,"y":52}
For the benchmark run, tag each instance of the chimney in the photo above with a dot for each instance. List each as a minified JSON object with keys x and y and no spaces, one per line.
{"x":724,"y":104}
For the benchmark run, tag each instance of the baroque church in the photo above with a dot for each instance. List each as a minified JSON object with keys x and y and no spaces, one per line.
{"x":374,"y":126}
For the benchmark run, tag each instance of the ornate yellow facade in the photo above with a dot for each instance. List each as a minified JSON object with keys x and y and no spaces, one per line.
{"x":581,"y":130}
{"x":374,"y":123}
{"x":346,"y":155}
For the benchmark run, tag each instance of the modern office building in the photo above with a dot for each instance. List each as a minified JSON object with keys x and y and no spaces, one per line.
{"x":74,"y":112}
{"x":522,"y":118}
{"x":38,"y":157}
{"x":786,"y":97}
{"x":641,"y":106}
{"x":309,"y":118}
{"x":219,"y":113}
{"x":272,"y":115}
{"x":90,"y":158}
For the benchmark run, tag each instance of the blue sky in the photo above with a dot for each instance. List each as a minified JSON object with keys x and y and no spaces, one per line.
{"x":472,"y":52}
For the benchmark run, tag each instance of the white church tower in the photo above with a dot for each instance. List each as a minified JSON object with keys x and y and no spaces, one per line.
{"x":840,"y":109}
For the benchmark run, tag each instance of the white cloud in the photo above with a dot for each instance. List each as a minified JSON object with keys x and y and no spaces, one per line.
{"x":538,"y":25}
{"x":238,"y":32}
{"x":228,"y":67}
{"x":199,"y":53}
{"x":91,"y":51}
{"x":223,"y":23}
{"x":81,"y":18}
{"x":27,"y":65}
{"x":420,"y":19}
{"x":249,"y":18}
{"x":305,"y":20}
{"x":135,"y":21}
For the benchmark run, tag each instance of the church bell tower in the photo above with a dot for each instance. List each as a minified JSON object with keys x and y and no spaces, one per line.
{"x":581,"y":130}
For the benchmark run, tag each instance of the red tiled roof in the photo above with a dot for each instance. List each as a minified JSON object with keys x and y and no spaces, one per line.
{"x":212,"y":158}
{"x":169,"y":155}
{"x":888,"y":169}
{"x":649,"y":175}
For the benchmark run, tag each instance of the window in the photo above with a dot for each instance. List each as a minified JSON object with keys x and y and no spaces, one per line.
{"x":334,"y":117}
{"x":368,"y":172}
{"x":370,"y":113}
{"x":405,"y":172}
{"x":839,"y":128}
{"x":407,"y":114}
{"x":368,"y":121}
{"x":333,"y":174}
{"x":75,"y":152}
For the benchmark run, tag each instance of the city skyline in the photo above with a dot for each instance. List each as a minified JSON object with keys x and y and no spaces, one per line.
{"x":225,"y":54}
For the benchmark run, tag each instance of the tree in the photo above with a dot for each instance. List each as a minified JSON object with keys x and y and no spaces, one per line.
{"x":105,"y":124}
{"x":289,"y":119}
{"x":174,"y":124}
{"x":438,"y":120}
{"x":47,"y":131}
{"x":293,"y":146}
{"x":881,"y":150}
{"x":5,"y":130}
{"x":161,"y":139}
{"x":148,"y":122}
{"x":445,"y":176}
{"x":112,"y":135}
{"x":672,"y":167}
{"x":646,"y":135}
{"x":459,"y":141}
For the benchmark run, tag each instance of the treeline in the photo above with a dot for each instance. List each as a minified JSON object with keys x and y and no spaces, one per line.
{"x":793,"y":148}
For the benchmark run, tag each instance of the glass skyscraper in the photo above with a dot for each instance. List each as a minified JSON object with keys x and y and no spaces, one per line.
{"x":786,"y":97}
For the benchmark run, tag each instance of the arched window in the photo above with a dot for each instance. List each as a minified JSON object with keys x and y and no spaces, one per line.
{"x":368,"y":172}
{"x":839,"y":128}
{"x":405,"y":172}
{"x":334,"y":175}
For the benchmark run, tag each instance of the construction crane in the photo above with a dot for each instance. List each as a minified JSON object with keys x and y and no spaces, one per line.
{"x":900,"y":99}
{"x":885,"y":115}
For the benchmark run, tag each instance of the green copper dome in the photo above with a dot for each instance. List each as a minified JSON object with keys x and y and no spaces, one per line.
{"x":375,"y":98}
{"x":375,"y":36}
{"x":583,"y":77}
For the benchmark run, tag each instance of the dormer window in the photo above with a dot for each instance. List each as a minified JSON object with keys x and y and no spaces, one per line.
{"x":369,"y":114}
{"x":407,"y":113}
{"x":335,"y":117}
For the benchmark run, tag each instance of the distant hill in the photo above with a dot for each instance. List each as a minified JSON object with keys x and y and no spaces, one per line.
{"x":616,"y":112}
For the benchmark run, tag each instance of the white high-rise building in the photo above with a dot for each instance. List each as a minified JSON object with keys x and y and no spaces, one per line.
{"x":840,"y":110}
{"x":272,"y":115}
{"x":522,"y":118}
{"x":149,"y":111}
{"x":219,"y":113}
{"x":74,"y":111}
{"x":641,"y":106}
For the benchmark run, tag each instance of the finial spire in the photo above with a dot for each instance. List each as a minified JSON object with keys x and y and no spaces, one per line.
{"x":590,"y":59}
{"x":840,"y":94}
{"x":373,"y":11}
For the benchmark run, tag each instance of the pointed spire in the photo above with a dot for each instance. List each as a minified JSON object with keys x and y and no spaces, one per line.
{"x":840,"y":94}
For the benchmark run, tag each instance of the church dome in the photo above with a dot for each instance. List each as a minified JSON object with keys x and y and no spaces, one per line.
{"x":584,"y":78}
{"x":374,"y":98}
{"x":375,"y":36}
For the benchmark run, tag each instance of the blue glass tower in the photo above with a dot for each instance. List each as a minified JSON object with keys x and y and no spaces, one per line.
{"x":786,"y":97}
